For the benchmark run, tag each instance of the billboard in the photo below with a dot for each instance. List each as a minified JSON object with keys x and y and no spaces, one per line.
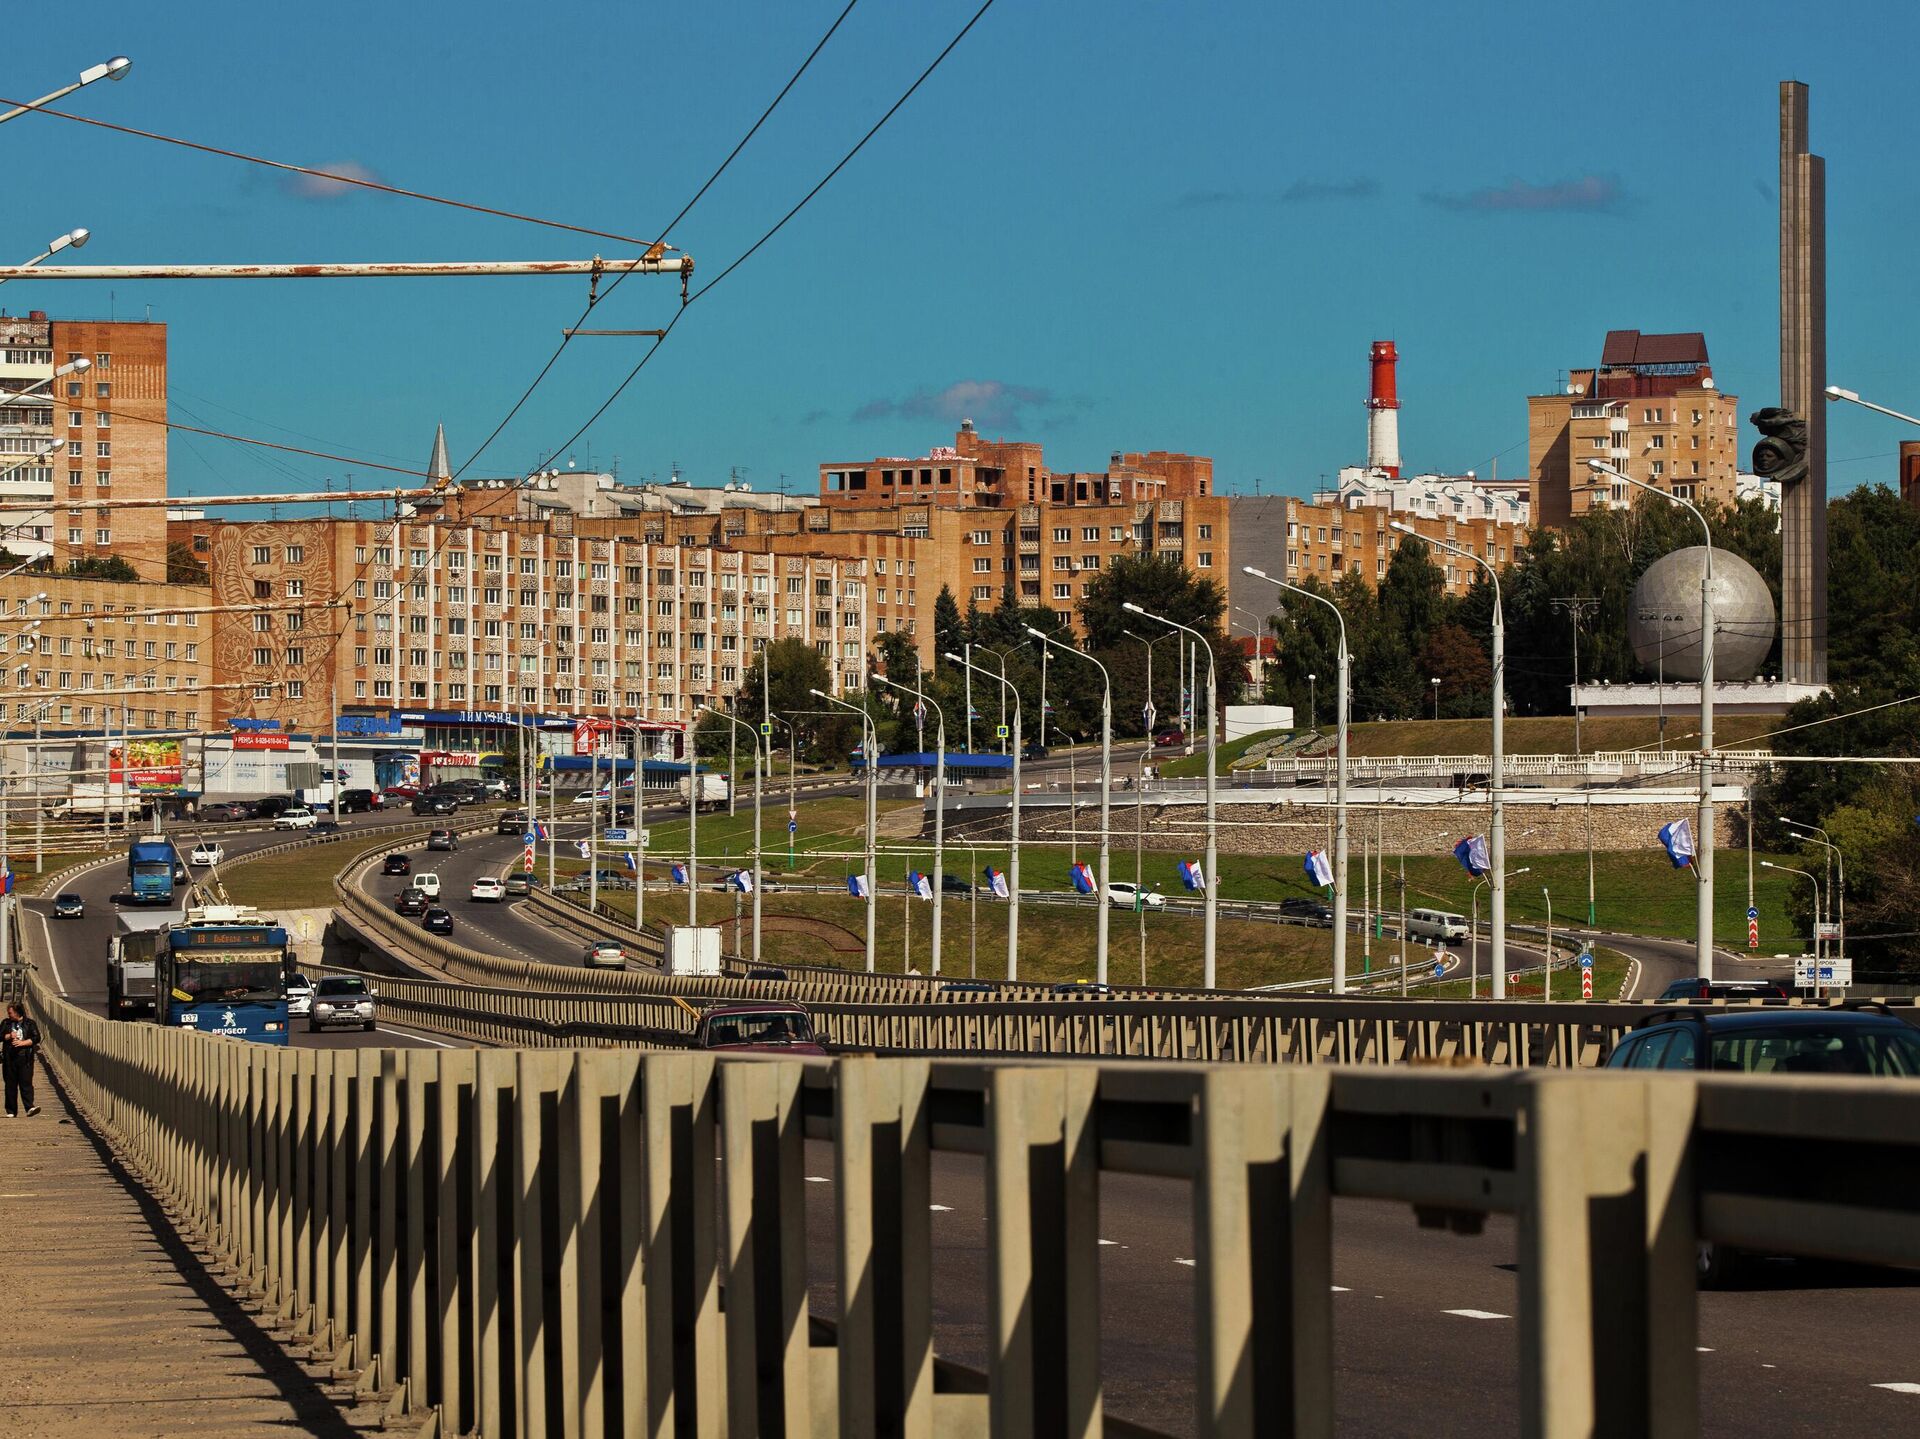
{"x":152,"y":766}
{"x":594,"y":737}
{"x":261,"y":739}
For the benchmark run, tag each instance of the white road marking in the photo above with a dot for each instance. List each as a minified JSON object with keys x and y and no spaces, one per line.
{"x":53,"y":952}
{"x":1188,"y":1262}
{"x":941,"y":1208}
{"x":1341,"y":1289}
{"x":1701,"y":1349}
{"x":1766,"y":1366}
{"x":419,"y":1038}
{"x":1476,"y":1314}
{"x":1109,"y":1241}
{"x":818,"y":1179}
{"x":1901,"y":1388}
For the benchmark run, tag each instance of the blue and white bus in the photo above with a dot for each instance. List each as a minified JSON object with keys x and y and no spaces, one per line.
{"x":224,"y":971}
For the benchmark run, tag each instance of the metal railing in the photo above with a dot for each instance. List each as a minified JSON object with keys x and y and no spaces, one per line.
{"x":594,"y":1242}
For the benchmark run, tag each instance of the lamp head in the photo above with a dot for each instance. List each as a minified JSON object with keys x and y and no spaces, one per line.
{"x":75,"y":238}
{"x":1257,"y":574}
{"x":1401,"y":526}
{"x":1130,"y":606}
{"x":954,"y":657}
{"x":820,"y":694}
{"x":1034,"y":632}
{"x":114,"y":69}
{"x":1834,"y":392}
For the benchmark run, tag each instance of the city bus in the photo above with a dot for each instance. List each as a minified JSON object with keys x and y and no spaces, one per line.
{"x":223,"y":970}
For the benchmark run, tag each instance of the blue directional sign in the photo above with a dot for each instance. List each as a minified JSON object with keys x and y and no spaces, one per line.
{"x":529,"y":837}
{"x":1752,"y":913}
{"x":1586,"y":960}
{"x":1439,"y":968}
{"x":793,"y":826}
{"x":999,"y":731}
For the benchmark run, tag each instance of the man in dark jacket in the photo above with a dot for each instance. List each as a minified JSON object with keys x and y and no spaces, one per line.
{"x":19,"y":1046}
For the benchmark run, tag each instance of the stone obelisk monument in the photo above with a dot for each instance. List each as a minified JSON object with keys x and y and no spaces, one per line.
{"x":1803,"y":384}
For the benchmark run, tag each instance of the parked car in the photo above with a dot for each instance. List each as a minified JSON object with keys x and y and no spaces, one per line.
{"x":449,"y":789}
{"x":428,"y":883}
{"x":765,"y":1026}
{"x":359,"y":801}
{"x":435,"y":804}
{"x":410,"y":901}
{"x":1121,"y":894}
{"x":442,"y":840}
{"x":437,"y":920}
{"x":224,"y":813}
{"x":67,"y":905}
{"x":299,"y":817}
{"x":299,"y":995}
{"x":606,"y":954}
{"x":514,"y":821}
{"x":397,"y":863}
{"x":1695,"y":988}
{"x":206,"y":852}
{"x":399,"y":793}
{"x":273,"y":806}
{"x":1310,"y":910}
{"x":1169,"y":738}
{"x":342,"y":1000}
{"x":520,"y":883}
{"x":488,"y":887}
{"x":1868,"y":1042}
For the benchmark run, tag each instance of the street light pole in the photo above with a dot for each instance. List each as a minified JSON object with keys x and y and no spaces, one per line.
{"x":1149,"y":644}
{"x":1703,"y":849}
{"x":1344,"y":661}
{"x":1013,"y":849}
{"x":870,"y":740}
{"x":1497,"y":824}
{"x":939,"y":804}
{"x":1836,"y":897}
{"x":74,"y":238}
{"x":114,"y":69}
{"x":1811,"y":878}
{"x":1209,"y":965}
{"x":1473,"y":982}
{"x":739,"y":725}
{"x":1102,"y":897}
{"x":1546,"y":991}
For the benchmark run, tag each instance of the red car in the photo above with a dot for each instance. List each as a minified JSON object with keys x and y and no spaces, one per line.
{"x":400,"y":792}
{"x":1169,"y":738}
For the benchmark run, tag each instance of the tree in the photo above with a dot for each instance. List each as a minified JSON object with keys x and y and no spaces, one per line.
{"x":103,"y":567}
{"x":1154,"y":582}
{"x":949,"y":629}
{"x":182,"y":567}
{"x":1465,"y":671}
{"x":795,"y":669}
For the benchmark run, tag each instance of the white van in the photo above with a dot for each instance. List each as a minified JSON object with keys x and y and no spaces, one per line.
{"x":1436,"y":924}
{"x":428,"y":883}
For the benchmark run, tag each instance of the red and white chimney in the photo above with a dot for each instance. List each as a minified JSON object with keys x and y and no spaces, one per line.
{"x":1383,"y":412}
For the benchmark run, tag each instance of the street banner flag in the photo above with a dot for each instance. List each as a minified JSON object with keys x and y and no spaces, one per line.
{"x":586,"y":850}
{"x":997,"y":882}
{"x":633,"y":862}
{"x":1678,"y":839}
{"x":1192,"y":876}
{"x":857,"y":885}
{"x":972,"y":713}
{"x":1317,"y":868}
{"x":920,"y":885}
{"x":6,"y":885}
{"x":1472,"y":854}
{"x":677,"y":872}
{"x":741,"y":880}
{"x":539,"y":830}
{"x":1048,"y":708}
{"x":1082,"y":877}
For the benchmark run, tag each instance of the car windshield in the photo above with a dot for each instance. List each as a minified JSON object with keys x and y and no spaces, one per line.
{"x":761,"y":1029}
{"x":299,"y":981}
{"x":1884,"y":1050}
{"x":341,"y":985}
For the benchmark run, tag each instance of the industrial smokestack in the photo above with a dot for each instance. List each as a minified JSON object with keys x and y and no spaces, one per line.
{"x":1383,"y":412}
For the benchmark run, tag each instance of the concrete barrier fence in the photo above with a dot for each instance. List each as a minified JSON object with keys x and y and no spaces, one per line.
{"x":594,"y":1242}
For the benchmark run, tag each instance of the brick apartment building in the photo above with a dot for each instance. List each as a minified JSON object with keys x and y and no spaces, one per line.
{"x":107,"y":424}
{"x":1650,"y":410}
{"x":460,"y":610}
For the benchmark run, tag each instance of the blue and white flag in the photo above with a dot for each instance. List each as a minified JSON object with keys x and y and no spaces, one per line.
{"x":678,"y":872}
{"x":857,"y":885}
{"x":742,"y":880}
{"x":997,"y":882}
{"x":1317,"y":868}
{"x":586,"y":850}
{"x":633,"y":862}
{"x":1472,"y":854}
{"x":919,"y":885}
{"x":1678,"y":839}
{"x":1192,"y":876}
{"x":1082,"y":877}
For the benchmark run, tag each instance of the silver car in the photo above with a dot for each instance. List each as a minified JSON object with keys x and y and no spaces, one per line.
{"x":341,"y":1000}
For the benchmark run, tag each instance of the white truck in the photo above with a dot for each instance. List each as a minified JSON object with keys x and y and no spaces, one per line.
{"x":94,"y":801}
{"x":130,"y":959}
{"x":714,"y":788}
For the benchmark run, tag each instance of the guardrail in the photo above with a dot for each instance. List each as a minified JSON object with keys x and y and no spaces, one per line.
{"x":592,"y":1242}
{"x":1597,"y":763}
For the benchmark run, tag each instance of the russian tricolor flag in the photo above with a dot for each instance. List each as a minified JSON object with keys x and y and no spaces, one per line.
{"x":920,"y":885}
{"x":1082,"y":877}
{"x":857,"y":885}
{"x":741,"y":880}
{"x":539,"y":830}
{"x":1317,"y":868}
{"x":1472,"y":854}
{"x":1192,"y":876}
{"x":678,"y":872}
{"x":997,"y":882}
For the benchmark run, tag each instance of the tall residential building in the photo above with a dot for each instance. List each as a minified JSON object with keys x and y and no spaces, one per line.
{"x":465,"y":612}
{"x":1650,"y":409}
{"x":107,"y":426}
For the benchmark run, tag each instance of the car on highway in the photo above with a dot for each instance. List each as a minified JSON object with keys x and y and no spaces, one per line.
{"x":442,"y":840}
{"x":68,"y":905}
{"x":514,"y":821}
{"x":1696,"y":988}
{"x":1439,"y":924}
{"x":399,"y":793}
{"x":488,"y":887}
{"x":587,"y":796}
{"x":606,"y":954}
{"x":520,"y":883}
{"x":967,"y":986}
{"x":762,"y":1027}
{"x":951,"y":883}
{"x":206,"y":852}
{"x":428,"y":883}
{"x":299,"y":817}
{"x":767,"y":972}
{"x":224,"y":813}
{"x":359,"y":801}
{"x":1310,"y":911}
{"x":1121,"y":894}
{"x":437,"y":920}
{"x":410,"y":902}
{"x":328,"y":826}
{"x":342,"y":1000}
{"x":1080,"y":986}
{"x":1169,"y":738}
{"x":397,"y":863}
{"x":1034,"y":750}
{"x":299,"y":996}
{"x":429,"y":804}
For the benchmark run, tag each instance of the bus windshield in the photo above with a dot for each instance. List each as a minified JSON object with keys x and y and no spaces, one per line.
{"x":228,"y":980}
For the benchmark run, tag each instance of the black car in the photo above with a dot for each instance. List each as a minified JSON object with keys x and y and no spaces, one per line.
{"x":451,"y":789}
{"x":966,"y":986}
{"x":435,"y":804}
{"x":410,"y":902}
{"x":327,"y":826}
{"x":951,"y":883}
{"x":1310,"y":910}
{"x":357,"y":801}
{"x":1034,"y":750}
{"x":397,"y":864}
{"x":272,"y":807}
{"x":512,"y":822}
{"x":766,"y":971}
{"x":437,"y":921}
{"x":441,"y":839}
{"x":1684,"y":989}
{"x":69,"y":906}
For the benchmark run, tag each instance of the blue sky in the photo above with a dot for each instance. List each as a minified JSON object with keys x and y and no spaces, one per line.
{"x":1121,"y":225}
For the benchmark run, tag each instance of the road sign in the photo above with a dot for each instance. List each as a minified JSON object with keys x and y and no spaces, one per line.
{"x":1752,"y":913}
{"x":1826,"y":930}
{"x":1829,"y":973}
{"x":528,"y":839}
{"x":766,"y":729}
{"x":644,"y":837}
{"x":793,"y":826}
{"x":1586,"y":959}
{"x":1586,"y":984}
{"x":999,"y":731}
{"x":1753,"y":934}
{"x":1439,"y":968}
{"x":526,"y":859}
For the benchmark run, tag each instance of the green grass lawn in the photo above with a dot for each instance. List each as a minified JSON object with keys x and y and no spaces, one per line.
{"x":298,"y":879}
{"x":1195,"y":765}
{"x":1549,"y":734}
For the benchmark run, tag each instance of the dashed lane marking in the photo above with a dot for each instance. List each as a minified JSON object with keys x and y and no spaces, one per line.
{"x":941,"y":1208}
{"x":1903,"y":1387}
{"x":1188,"y":1262}
{"x":818,"y":1179}
{"x":1110,"y":1241}
{"x":1475,"y":1314}
{"x":1341,"y":1289}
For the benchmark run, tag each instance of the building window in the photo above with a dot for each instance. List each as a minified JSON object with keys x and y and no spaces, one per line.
{"x":1062,"y":535}
{"x":103,"y":362}
{"x":1206,"y":532}
{"x":1204,"y":560}
{"x":103,"y":537}
{"x":296,"y":554}
{"x":102,"y":420}
{"x":103,"y":449}
{"x":1090,"y":535}
{"x":1063,"y":592}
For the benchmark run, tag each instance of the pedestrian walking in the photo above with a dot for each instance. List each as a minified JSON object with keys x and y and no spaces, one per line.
{"x":19,"y":1045}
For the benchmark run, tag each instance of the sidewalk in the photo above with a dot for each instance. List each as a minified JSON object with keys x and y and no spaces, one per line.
{"x":113,"y":1326}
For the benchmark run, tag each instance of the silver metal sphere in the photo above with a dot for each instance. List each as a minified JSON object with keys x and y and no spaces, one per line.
{"x":1663,"y":616}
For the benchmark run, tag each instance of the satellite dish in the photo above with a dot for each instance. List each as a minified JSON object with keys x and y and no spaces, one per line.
{"x":1576,"y":389}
